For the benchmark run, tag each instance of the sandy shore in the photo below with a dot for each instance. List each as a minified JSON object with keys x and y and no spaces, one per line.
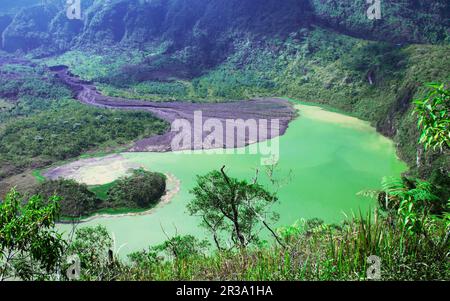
{"x":93,"y":171}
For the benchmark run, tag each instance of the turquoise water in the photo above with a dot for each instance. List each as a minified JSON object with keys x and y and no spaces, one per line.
{"x":325,"y":159}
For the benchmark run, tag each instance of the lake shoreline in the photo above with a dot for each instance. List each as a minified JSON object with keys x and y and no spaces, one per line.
{"x":267,"y":109}
{"x":165,"y":199}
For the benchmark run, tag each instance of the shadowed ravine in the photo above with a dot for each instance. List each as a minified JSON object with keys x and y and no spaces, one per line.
{"x":267,"y":109}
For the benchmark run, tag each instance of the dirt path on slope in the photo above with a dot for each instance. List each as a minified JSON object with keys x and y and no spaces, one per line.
{"x":273,"y":114}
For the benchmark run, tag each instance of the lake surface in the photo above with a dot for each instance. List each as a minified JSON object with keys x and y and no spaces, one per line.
{"x":325,"y":159}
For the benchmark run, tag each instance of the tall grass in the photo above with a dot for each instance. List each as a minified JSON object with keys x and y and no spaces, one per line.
{"x":320,"y":252}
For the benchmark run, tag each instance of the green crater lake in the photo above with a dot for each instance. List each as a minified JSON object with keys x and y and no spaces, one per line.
{"x":325,"y":159}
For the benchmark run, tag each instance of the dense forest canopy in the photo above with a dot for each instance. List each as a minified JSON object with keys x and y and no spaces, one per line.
{"x":209,"y":25}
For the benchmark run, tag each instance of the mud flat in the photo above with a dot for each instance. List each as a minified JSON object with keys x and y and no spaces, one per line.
{"x":274,"y":112}
{"x":322,"y":115}
{"x":93,"y":171}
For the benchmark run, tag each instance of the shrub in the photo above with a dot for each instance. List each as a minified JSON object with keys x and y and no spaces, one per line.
{"x":76,"y":199}
{"x":30,"y":248}
{"x":434,"y":117}
{"x":140,"y":190}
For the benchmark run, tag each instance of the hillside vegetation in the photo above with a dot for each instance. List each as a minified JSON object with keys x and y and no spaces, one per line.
{"x":321,"y":51}
{"x":206,"y":28}
{"x":411,"y":242}
{"x":41,"y":124}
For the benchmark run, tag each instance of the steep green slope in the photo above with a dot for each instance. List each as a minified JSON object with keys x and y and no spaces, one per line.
{"x":411,"y":21}
{"x":207,"y":27}
{"x":372,"y":81}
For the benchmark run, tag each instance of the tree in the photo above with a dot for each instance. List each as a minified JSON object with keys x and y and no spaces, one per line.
{"x":230,"y":206}
{"x":94,"y":247}
{"x":30,"y":248}
{"x":434,"y":117}
{"x":415,"y":207}
{"x":76,"y":199}
{"x":178,"y":248}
